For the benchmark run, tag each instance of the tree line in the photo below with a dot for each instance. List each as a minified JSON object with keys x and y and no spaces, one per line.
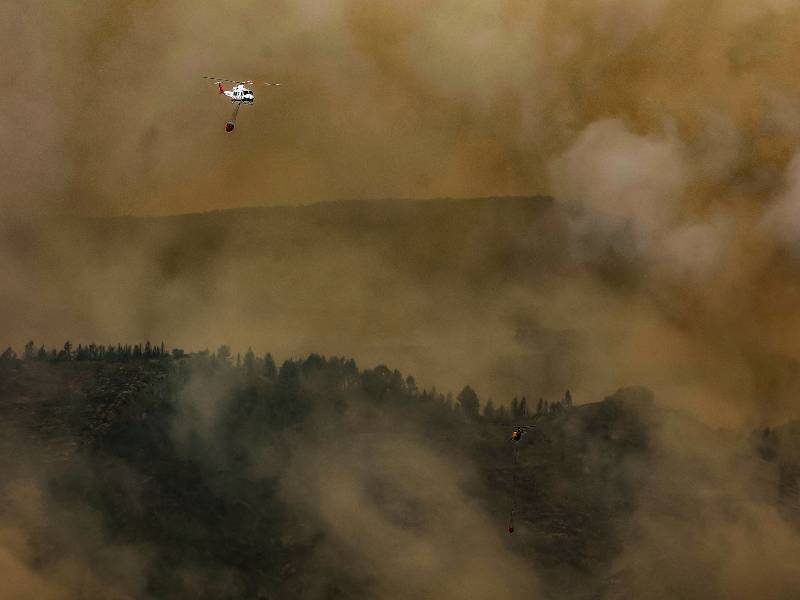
{"x":89,"y":352}
{"x":380,"y":382}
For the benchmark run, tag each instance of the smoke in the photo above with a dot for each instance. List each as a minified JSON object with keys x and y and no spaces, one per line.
{"x":375,"y":497}
{"x":424,"y":100}
{"x":52,"y":550}
{"x":782,"y":218}
{"x":708,"y":524}
{"x":625,"y":179}
{"x":400,"y":517}
{"x":665,"y":130}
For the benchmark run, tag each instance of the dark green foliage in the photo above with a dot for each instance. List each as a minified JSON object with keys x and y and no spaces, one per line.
{"x":270,"y":370}
{"x":515,"y":413}
{"x":95,"y":352}
{"x":469,"y":403}
{"x":250,"y":362}
{"x":289,"y":407}
{"x":767,"y":443}
{"x":501,"y":415}
{"x":224,"y":354}
{"x":489,"y":410}
{"x":382,"y":384}
{"x":202,"y":502}
{"x":411,"y":386}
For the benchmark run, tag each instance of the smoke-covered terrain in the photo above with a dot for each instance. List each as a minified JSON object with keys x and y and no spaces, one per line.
{"x":131,"y":474}
{"x":190,"y":477}
{"x":636,"y":169}
{"x":512,"y":295}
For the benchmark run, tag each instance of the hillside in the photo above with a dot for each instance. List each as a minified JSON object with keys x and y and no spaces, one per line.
{"x":221,"y":481}
{"x":419,"y":284}
{"x":512,"y":295}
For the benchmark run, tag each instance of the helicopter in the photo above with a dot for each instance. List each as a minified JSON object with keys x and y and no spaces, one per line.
{"x":242,"y":93}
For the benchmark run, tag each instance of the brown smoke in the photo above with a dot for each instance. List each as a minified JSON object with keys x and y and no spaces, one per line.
{"x":397,"y":516}
{"x":50,"y":551}
{"x":709,"y":523}
{"x":667,"y":127}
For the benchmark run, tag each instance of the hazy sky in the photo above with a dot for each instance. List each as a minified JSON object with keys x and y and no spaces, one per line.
{"x":105,"y":111}
{"x":668,"y":131}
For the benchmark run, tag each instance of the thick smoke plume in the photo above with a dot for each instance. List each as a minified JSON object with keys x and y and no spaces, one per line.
{"x":396,"y":516}
{"x":666,"y":130}
{"x":109,"y":115}
{"x":667,"y":127}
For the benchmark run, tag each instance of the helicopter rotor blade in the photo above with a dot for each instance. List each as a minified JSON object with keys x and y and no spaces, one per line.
{"x":248,"y":81}
{"x":256,"y":82}
{"x":222,"y":79}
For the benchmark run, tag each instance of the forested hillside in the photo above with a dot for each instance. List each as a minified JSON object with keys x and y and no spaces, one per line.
{"x":212,"y":475}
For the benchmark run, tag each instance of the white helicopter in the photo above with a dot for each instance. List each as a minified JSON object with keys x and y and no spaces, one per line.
{"x":242,"y":93}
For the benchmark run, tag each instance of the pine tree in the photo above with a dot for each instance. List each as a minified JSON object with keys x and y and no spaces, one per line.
{"x":488,"y":410}
{"x":447,"y":401}
{"x":29,"y":352}
{"x":249,"y":361}
{"x":224,"y":353}
{"x":270,"y":370}
{"x":502,"y":414}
